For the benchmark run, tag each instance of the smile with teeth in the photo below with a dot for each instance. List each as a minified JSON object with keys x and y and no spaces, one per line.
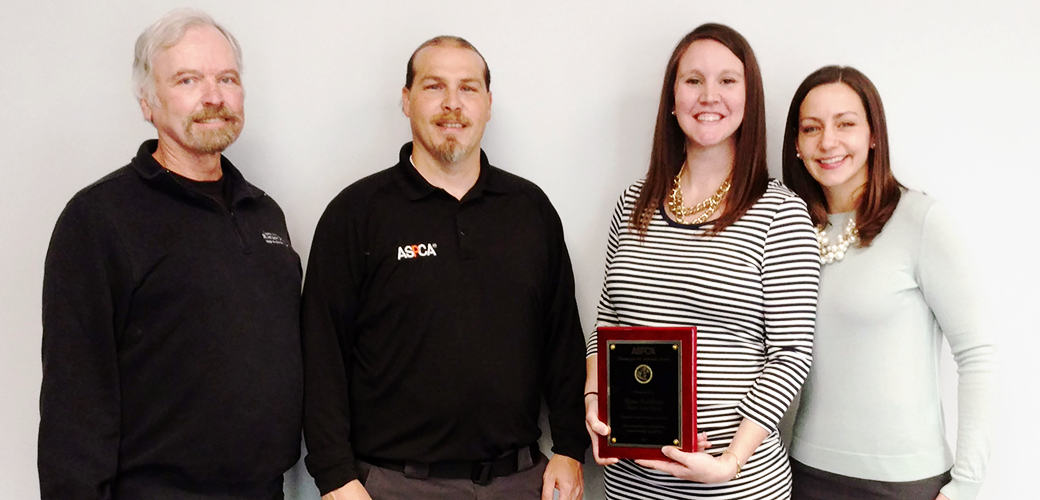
{"x":708,"y":117}
{"x":831,"y":161}
{"x":214,"y":116}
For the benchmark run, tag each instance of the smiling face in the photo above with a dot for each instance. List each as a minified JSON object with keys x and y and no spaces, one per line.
{"x":448,"y":103}
{"x":834,"y":142}
{"x":198,"y":103}
{"x":709,"y":94}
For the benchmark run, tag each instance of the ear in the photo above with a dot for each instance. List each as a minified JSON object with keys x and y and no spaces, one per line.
{"x":405,"y":93}
{"x":489,"y":106}
{"x":146,"y":109}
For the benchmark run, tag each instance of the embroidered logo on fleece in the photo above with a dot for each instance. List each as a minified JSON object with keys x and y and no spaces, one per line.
{"x":274,"y":239}
{"x":420,"y":250}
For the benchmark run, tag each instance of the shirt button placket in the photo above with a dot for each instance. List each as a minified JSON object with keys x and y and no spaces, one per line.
{"x":465,"y":234}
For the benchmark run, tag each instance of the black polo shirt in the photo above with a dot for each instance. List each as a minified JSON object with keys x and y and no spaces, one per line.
{"x":432,"y":326}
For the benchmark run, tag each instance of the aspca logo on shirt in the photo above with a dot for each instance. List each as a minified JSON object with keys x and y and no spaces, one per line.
{"x":420,"y":250}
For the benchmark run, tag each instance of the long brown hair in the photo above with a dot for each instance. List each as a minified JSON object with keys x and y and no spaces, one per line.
{"x":749,"y":177}
{"x":879,"y":197}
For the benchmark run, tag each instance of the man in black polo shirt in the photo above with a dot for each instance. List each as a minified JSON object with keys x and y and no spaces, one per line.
{"x":438,"y":311}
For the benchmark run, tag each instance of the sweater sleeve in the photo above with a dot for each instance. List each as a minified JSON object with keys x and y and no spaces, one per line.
{"x":945,"y":277}
{"x":80,"y":397}
{"x":330,"y":298}
{"x":606,"y":315}
{"x":790,"y":283}
{"x":562,"y":355}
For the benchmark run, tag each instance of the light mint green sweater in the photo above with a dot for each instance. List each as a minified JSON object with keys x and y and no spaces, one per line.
{"x":870,"y":407}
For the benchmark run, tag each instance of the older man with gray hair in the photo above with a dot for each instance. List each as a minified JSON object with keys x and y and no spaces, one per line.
{"x":171,"y":348}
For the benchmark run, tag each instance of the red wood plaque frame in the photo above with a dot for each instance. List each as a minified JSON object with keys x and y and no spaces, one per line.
{"x":683,"y":340}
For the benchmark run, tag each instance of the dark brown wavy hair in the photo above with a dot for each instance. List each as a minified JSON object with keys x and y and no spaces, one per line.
{"x":749,"y":177}
{"x":879,"y":197}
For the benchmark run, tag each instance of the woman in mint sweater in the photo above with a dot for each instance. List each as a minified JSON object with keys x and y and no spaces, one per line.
{"x":894,"y":283}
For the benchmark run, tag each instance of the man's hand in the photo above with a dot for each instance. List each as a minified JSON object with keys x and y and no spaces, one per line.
{"x":565,"y":474}
{"x":350,"y":491}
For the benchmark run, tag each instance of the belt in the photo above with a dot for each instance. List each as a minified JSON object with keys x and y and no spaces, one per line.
{"x":479,"y":472}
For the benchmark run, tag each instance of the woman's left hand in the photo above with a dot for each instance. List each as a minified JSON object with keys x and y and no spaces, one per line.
{"x":942,"y":497}
{"x":697,"y":466}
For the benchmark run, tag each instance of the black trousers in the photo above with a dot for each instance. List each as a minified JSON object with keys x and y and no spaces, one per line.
{"x":815,"y":484}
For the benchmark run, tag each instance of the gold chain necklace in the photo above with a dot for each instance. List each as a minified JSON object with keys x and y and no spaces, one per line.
{"x":708,"y":206}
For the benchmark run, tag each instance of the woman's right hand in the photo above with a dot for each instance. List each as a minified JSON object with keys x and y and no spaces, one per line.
{"x":596,"y":427}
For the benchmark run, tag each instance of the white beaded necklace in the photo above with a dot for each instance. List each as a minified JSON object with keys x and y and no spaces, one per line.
{"x":833,"y":253}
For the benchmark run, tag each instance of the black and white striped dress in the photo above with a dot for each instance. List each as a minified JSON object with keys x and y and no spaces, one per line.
{"x":751,"y":292}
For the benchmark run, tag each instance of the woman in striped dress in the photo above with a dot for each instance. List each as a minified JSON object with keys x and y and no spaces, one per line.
{"x":742,"y":266}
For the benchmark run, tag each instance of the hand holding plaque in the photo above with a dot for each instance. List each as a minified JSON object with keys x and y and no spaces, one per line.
{"x":647,"y":390}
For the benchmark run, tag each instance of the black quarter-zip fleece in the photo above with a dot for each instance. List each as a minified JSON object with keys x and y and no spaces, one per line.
{"x":171,"y":348}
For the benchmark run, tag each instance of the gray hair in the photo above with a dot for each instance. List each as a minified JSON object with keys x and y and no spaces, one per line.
{"x":162,"y":35}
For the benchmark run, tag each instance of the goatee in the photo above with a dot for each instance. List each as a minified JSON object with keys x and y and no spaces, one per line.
{"x":449,"y":151}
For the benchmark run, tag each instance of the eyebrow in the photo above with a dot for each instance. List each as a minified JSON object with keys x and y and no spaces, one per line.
{"x":439,"y":79}
{"x":184,"y":72}
{"x":195,"y":72}
{"x":725,"y":72}
{"x":837,"y":115}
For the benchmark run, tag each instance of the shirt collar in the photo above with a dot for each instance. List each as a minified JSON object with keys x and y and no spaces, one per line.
{"x":416,"y":187}
{"x":150,"y":169}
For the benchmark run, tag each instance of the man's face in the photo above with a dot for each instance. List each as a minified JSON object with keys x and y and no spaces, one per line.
{"x":448,"y":103}
{"x":198,"y":102}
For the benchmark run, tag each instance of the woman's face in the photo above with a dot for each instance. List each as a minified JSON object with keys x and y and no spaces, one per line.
{"x":834,"y":140}
{"x":709,"y":94}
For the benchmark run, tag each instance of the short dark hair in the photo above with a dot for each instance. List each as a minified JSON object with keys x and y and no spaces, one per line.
{"x":881,"y":194}
{"x":409,"y":75}
{"x":750,"y":176}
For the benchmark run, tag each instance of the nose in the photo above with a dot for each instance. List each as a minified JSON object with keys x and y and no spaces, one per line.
{"x":211,"y":94}
{"x":451,"y":99}
{"x":710,"y":94}
{"x":828,"y":138}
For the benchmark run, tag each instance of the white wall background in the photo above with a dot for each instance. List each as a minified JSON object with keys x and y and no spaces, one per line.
{"x":575,"y":92}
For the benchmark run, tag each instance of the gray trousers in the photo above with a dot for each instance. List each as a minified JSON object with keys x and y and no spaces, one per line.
{"x":387,"y":484}
{"x":815,"y":484}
